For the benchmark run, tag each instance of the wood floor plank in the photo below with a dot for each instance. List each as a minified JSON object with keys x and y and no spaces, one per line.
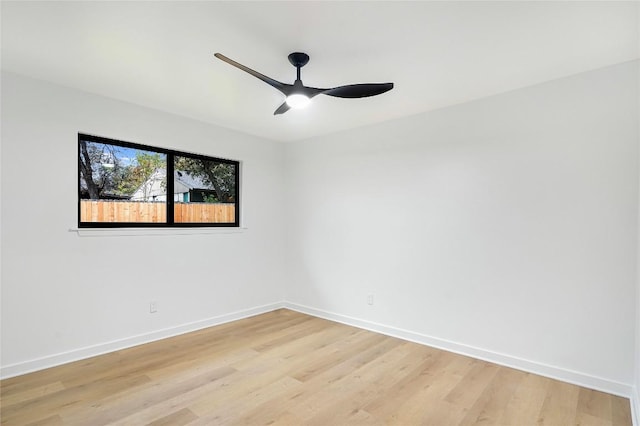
{"x":428,"y":405}
{"x":68,"y":399}
{"x":413,"y":384}
{"x":265,"y":373}
{"x":214,"y":393}
{"x":285,"y":419}
{"x":330,"y":355}
{"x":179,"y":418}
{"x":620,"y":411}
{"x":584,"y":419}
{"x":527,"y":401}
{"x":560,"y":405}
{"x":345,"y":397}
{"x":192,"y":367}
{"x":54,"y":420}
{"x":594,"y":403}
{"x":32,"y":393}
{"x":473,"y":384}
{"x":380,"y":387}
{"x":235,"y":409}
{"x":329,"y":385}
{"x":492,"y":402}
{"x":119,"y":405}
{"x":287,"y":368}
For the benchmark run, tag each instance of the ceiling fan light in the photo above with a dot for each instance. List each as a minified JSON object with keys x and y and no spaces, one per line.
{"x":298,"y":101}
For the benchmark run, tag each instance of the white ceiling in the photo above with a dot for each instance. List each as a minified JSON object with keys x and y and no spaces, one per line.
{"x":160,"y":54}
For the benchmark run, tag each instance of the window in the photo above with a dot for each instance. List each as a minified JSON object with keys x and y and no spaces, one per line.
{"x":122,"y":184}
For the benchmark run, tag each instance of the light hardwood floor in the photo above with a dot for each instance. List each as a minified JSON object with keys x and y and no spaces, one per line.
{"x":284,"y":367}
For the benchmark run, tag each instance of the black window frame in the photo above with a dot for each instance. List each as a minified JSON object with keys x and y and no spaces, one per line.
{"x":169,"y":205}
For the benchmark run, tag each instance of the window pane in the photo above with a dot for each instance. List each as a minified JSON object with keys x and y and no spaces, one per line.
{"x":121,"y":184}
{"x":205,"y":191}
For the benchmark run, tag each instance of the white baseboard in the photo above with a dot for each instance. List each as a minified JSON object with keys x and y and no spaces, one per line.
{"x":565,"y":375}
{"x":635,"y":406}
{"x":102,"y":348}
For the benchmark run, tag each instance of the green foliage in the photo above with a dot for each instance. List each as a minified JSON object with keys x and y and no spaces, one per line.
{"x":135,"y":175}
{"x":221,"y":177}
{"x":208,"y":198}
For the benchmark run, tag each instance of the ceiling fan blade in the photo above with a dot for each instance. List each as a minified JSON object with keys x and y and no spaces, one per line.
{"x":309,"y":92}
{"x":282,"y":109}
{"x":270,"y":81}
{"x":359,"y":90}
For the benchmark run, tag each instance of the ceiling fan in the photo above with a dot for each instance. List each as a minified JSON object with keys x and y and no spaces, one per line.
{"x":298,"y":95}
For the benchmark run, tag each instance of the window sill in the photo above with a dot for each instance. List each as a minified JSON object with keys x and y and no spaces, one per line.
{"x":134,"y":232}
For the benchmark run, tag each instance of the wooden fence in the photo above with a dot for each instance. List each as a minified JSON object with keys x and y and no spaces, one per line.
{"x":154,"y":212}
{"x":204,"y":212}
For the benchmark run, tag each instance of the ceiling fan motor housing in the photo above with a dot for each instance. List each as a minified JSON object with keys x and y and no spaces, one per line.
{"x":298,"y":59}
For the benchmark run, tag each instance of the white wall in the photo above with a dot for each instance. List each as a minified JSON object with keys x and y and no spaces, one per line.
{"x":505,"y":228}
{"x":62,"y":293}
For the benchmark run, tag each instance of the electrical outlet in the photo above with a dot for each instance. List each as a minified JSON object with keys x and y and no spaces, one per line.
{"x":153,"y":307}
{"x":370,"y":299}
